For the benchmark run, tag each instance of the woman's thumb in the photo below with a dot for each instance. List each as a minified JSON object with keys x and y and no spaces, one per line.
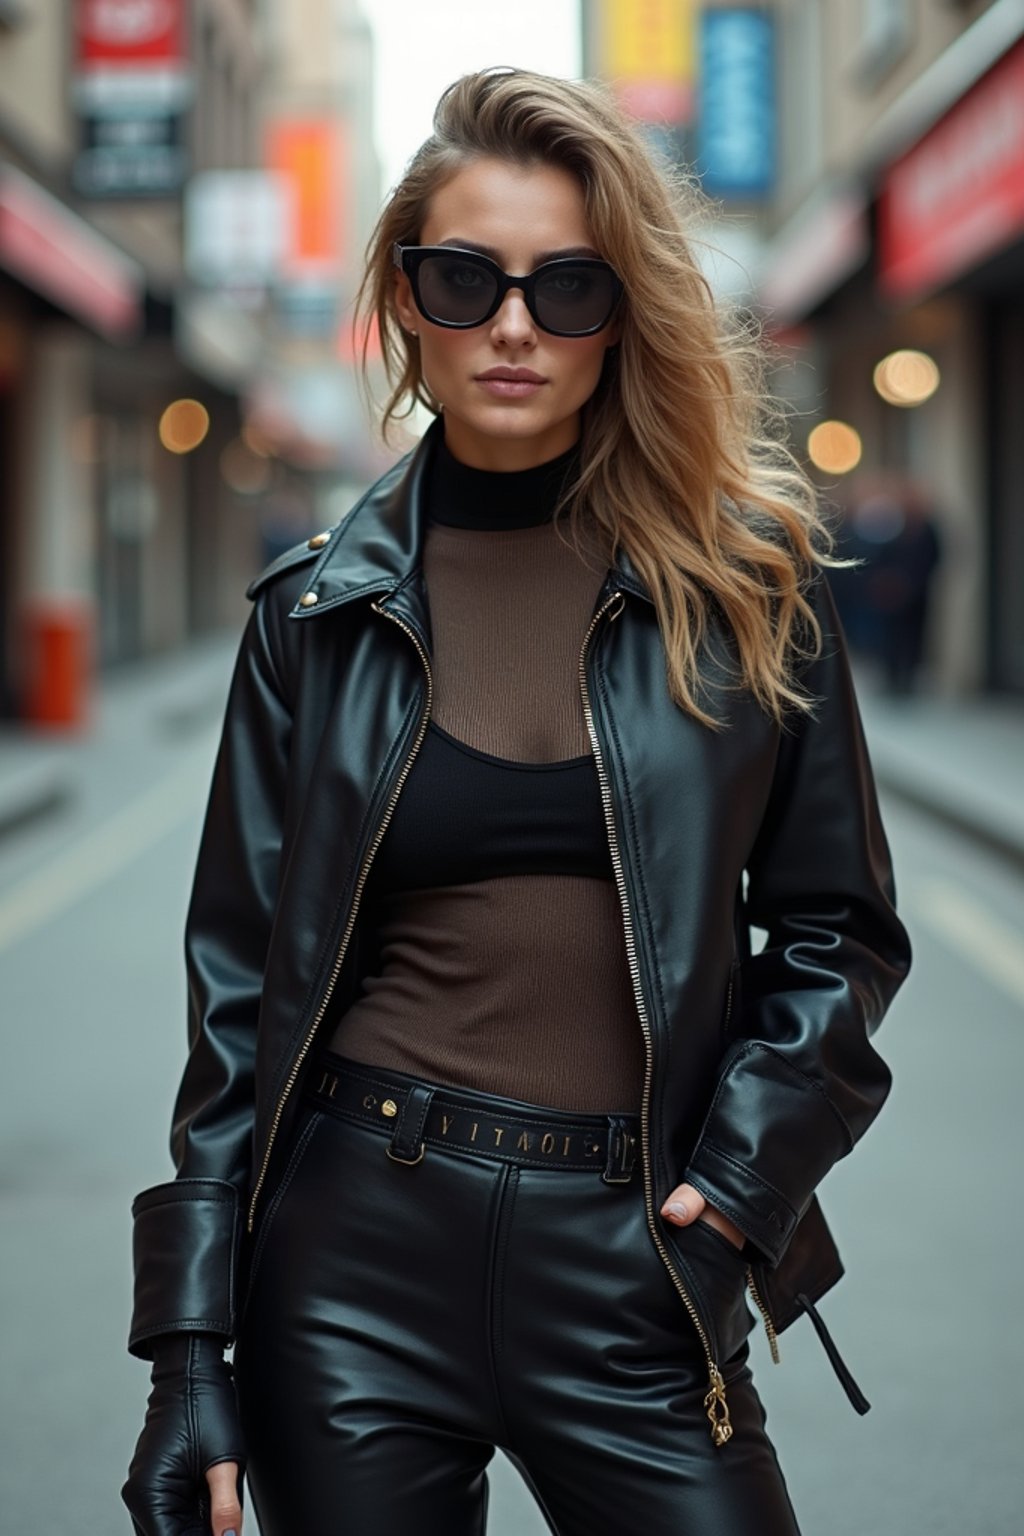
{"x":225,"y":1508}
{"x":683,"y":1205}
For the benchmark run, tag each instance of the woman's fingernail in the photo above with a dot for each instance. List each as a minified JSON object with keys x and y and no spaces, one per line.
{"x":678,"y":1209}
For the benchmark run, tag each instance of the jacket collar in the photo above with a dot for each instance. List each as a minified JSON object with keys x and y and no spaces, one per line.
{"x":378,"y":546}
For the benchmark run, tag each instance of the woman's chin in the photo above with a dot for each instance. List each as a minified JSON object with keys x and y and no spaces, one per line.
{"x":510,"y":421}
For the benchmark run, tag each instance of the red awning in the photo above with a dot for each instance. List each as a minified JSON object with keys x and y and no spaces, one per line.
{"x":57,"y":254}
{"x":957,"y":197}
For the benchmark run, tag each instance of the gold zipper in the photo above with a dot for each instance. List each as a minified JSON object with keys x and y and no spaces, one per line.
{"x":339,"y":958}
{"x":715,"y":1405}
{"x":769,"y":1326}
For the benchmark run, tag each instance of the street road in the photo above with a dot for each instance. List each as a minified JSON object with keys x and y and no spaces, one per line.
{"x":92,"y":904}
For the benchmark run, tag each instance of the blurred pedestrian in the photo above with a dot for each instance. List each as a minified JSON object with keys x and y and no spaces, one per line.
{"x":885,"y":601}
{"x":894,"y":531}
{"x":490,"y":1117}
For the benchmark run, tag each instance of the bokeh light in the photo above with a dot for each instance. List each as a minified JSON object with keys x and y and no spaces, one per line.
{"x":256,"y":441}
{"x":907,"y":377}
{"x":183,"y":425}
{"x":243,"y":470}
{"x":835,"y":447}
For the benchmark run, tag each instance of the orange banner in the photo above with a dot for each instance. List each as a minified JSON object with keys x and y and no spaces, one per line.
{"x":309,"y":153}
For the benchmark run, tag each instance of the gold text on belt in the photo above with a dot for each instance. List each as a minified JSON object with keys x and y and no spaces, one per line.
{"x":357,"y":894}
{"x":715,"y":1405}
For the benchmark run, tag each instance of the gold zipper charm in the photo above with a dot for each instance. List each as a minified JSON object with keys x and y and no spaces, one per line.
{"x":717,"y":1409}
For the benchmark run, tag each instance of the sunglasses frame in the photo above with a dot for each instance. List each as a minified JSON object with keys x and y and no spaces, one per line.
{"x":409,"y":259}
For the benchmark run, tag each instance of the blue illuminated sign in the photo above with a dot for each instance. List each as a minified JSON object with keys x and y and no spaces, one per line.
{"x":737,"y":103}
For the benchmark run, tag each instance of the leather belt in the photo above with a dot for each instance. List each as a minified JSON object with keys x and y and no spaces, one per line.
{"x":416,"y":1114}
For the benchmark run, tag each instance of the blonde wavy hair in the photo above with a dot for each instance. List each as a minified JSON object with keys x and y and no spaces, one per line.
{"x":683,"y":460}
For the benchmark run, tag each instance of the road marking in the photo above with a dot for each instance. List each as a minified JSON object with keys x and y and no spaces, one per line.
{"x":104,"y":851}
{"x":976,"y":932}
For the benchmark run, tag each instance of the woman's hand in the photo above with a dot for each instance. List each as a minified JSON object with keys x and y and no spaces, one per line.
{"x":186,"y":1475}
{"x":686,"y":1205}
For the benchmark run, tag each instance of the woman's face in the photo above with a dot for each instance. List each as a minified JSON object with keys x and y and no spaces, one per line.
{"x":522,"y":216}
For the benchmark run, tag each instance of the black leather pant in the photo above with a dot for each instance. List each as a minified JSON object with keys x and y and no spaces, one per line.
{"x":404,"y":1318}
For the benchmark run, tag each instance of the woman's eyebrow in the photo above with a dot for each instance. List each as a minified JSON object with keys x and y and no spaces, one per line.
{"x":539,"y":256}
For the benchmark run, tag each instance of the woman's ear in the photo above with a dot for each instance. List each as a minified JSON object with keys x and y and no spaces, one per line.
{"x":404,"y":306}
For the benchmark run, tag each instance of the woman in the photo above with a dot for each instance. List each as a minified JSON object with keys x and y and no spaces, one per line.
{"x":490,"y":1115}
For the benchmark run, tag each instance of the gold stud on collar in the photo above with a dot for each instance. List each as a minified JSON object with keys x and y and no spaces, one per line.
{"x":317,"y":541}
{"x":308,"y":600}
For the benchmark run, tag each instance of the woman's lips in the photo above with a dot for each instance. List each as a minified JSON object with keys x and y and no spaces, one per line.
{"x":511,"y":389}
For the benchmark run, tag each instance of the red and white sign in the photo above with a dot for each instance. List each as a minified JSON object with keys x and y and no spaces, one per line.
{"x":957,"y":197}
{"x":111,"y":33}
{"x":131,"y":54}
{"x":131,"y":85}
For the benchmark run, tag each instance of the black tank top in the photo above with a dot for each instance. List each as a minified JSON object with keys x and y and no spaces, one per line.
{"x":464,"y":814}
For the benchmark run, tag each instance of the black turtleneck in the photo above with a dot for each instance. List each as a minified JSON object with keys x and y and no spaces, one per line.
{"x":461,"y":496}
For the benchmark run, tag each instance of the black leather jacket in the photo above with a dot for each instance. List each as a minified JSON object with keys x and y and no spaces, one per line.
{"x":760,"y":1068}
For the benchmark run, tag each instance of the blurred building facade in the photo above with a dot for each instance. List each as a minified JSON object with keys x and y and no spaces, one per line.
{"x":151,"y":294}
{"x":898,"y":228}
{"x":867,"y":157}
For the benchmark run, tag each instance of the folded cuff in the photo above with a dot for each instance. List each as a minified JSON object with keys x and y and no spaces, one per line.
{"x":185,"y":1245}
{"x":769,"y":1137}
{"x":762,"y":1214}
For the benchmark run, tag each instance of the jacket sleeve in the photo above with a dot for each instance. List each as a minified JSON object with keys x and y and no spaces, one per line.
{"x":186,"y":1232}
{"x":802,"y":1080}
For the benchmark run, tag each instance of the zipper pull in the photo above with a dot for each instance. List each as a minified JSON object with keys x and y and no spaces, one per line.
{"x":838,"y":1364}
{"x":717,"y":1408}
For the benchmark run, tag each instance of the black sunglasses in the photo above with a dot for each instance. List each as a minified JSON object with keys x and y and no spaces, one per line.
{"x":573,"y":296}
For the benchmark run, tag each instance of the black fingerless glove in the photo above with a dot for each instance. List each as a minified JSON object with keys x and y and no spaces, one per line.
{"x":191,"y":1423}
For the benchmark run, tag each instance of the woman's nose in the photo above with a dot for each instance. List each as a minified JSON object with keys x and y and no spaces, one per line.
{"x":513,"y":320}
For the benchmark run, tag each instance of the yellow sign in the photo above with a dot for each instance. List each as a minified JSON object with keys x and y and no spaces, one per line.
{"x":647,"y":52}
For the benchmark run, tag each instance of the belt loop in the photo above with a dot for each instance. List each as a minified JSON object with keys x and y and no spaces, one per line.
{"x":618,"y":1168}
{"x":407,"y":1144}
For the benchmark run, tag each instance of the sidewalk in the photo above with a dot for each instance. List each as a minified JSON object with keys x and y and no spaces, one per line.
{"x":168,"y":697}
{"x":961,"y":760}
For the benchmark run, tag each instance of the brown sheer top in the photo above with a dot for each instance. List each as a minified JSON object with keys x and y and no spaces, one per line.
{"x":500,"y":960}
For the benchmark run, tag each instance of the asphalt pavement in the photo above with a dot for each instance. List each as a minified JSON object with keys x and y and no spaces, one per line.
{"x":93,"y":888}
